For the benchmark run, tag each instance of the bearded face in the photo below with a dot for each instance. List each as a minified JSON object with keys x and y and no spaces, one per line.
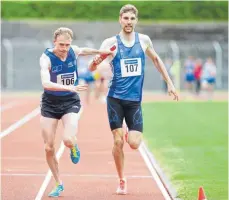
{"x":128,"y":22}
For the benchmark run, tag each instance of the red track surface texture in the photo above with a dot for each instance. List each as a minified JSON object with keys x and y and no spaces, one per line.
{"x":24,"y":167}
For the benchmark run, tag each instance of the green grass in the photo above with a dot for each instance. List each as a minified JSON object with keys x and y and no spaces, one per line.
{"x":141,"y":21}
{"x":189,"y":140}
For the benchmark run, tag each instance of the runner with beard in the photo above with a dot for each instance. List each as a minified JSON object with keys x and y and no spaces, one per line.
{"x":125,"y":91}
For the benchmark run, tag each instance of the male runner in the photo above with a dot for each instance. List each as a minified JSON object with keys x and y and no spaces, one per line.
{"x":60,"y":100}
{"x":125,"y":91}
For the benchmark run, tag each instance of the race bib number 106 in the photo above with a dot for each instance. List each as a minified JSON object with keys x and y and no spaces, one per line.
{"x":131,"y":67}
{"x":66,"y":79}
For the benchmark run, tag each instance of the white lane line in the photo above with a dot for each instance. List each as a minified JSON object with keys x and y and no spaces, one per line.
{"x":79,"y":175}
{"x":8,"y":106}
{"x":20,"y":122}
{"x":166,"y":182}
{"x":24,"y":158}
{"x":154,"y":173}
{"x":49,"y":174}
{"x":155,"y":176}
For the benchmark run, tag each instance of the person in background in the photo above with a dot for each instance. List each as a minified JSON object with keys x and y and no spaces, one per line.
{"x":208,"y":78}
{"x":88,"y":77}
{"x":189,"y":73}
{"x":197,"y":75}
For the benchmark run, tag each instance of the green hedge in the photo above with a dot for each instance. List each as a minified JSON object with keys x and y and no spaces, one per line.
{"x":109,"y":10}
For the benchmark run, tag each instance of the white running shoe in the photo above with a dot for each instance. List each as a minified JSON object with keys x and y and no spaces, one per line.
{"x":122,"y":188}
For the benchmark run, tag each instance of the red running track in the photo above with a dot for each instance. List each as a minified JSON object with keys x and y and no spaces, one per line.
{"x":24,"y":167}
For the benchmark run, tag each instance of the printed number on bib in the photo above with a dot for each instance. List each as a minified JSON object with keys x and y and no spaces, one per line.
{"x":131,"y":67}
{"x":66,"y":79}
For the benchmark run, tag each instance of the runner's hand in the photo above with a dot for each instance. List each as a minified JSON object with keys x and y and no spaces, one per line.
{"x":172,"y":91}
{"x":78,"y":88}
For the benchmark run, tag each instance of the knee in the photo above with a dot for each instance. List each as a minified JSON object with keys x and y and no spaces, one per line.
{"x":134,"y":143}
{"x":118,"y":146}
{"x":118,"y":140}
{"x":49,"y":149}
{"x":68,"y":142}
{"x":118,"y":143}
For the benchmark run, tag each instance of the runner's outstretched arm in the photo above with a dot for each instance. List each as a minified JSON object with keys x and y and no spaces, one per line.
{"x":107,"y":44}
{"x":161,"y":68}
{"x":89,"y":51}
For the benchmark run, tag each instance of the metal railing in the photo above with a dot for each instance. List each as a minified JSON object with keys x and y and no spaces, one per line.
{"x":21,"y":56}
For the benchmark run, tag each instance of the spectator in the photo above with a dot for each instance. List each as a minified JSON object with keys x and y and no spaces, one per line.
{"x":197,"y":75}
{"x":189,"y":73}
{"x":208,"y":77}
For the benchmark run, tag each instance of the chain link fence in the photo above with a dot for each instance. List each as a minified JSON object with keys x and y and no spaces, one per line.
{"x":21,"y":70}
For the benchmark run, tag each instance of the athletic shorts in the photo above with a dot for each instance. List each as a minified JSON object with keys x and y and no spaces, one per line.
{"x":57,"y":106}
{"x":190,"y":77}
{"x":89,"y":77}
{"x":211,"y":80}
{"x":131,"y":111}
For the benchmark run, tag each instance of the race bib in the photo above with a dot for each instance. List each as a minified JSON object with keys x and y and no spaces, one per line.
{"x":131,"y":67}
{"x":66,"y":79}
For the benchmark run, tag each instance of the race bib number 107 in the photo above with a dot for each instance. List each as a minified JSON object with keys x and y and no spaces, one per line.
{"x":66,"y":79}
{"x":131,"y":67}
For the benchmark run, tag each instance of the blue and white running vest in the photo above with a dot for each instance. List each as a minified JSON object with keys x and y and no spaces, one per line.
{"x":190,"y":66}
{"x":62,"y":72}
{"x":128,"y":68}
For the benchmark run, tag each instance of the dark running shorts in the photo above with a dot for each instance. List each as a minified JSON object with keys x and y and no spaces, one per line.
{"x":118,"y":109}
{"x":57,"y":106}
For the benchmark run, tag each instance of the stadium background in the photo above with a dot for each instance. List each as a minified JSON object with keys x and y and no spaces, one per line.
{"x":192,"y":151}
{"x":198,"y":29}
